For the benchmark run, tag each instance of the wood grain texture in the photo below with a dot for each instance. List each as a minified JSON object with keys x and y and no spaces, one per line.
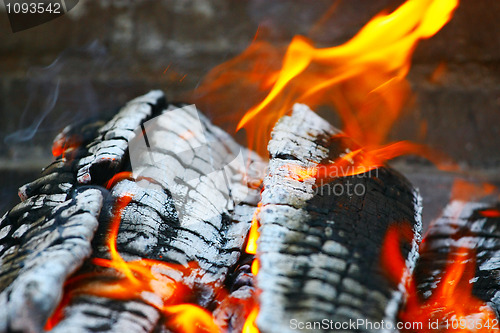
{"x":203,"y":220}
{"x":463,"y":226}
{"x":319,"y":252}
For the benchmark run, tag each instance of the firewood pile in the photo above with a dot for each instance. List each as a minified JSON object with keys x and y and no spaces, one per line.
{"x":142,"y":223}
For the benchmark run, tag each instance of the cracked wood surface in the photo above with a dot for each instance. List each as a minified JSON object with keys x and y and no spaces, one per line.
{"x":319,"y":253}
{"x":463,"y":226}
{"x":48,"y":236}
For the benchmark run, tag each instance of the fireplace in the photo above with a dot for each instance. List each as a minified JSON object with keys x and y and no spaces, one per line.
{"x":342,"y":181}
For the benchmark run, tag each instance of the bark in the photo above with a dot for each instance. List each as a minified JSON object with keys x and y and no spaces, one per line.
{"x":202,"y":220}
{"x":463,"y":225}
{"x":107,"y":151}
{"x":198,"y":220}
{"x":44,"y":239}
{"x":319,"y":252}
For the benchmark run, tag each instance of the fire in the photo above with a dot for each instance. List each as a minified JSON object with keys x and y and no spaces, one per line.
{"x":376,"y":61}
{"x":254,"y":232}
{"x":391,"y":259}
{"x":491,"y":213}
{"x":364,"y":160}
{"x":253,"y":236}
{"x":189,"y":318}
{"x":64,"y":145}
{"x":363,"y":79}
{"x":117,"y":178}
{"x":451,"y":304}
{"x":249,"y":326}
{"x":141,"y":279}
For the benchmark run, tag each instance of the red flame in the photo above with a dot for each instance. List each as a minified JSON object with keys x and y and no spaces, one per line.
{"x":451,"y":304}
{"x":140,"y":279}
{"x":491,"y":213}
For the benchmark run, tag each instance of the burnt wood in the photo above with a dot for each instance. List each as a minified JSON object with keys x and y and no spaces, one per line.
{"x":44,"y":239}
{"x":319,"y":251}
{"x":463,"y":225}
{"x":207,"y":227}
{"x":107,"y":150}
{"x":203,"y":221}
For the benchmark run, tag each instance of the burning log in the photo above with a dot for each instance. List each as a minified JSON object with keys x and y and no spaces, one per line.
{"x":140,"y":225}
{"x":48,"y":236}
{"x":319,"y":248}
{"x":458,"y":272}
{"x":44,"y":239}
{"x":108,"y":149}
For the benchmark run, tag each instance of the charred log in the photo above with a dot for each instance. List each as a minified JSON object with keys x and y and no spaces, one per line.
{"x":44,"y":239}
{"x":108,"y":149}
{"x":320,"y":250}
{"x":472,"y":226}
{"x":171,"y":219}
{"x":200,"y":220}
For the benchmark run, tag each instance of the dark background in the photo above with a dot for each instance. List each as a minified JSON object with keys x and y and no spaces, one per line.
{"x":102,"y":53}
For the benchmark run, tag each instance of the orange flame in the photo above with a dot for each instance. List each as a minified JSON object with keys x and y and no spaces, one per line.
{"x":378,"y":58}
{"x":463,"y":190}
{"x":189,"y":318}
{"x":249,"y":326}
{"x":141,"y":278}
{"x":253,"y":236}
{"x":363,"y":160}
{"x":391,"y":259}
{"x":363,"y":79}
{"x":451,"y":303}
{"x":254,"y":232}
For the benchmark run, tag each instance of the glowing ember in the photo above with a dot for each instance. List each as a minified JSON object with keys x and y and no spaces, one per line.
{"x":141,"y":279}
{"x":64,"y":145}
{"x":249,"y":326}
{"x":491,"y":213}
{"x":452,"y":305}
{"x":117,"y":178}
{"x":463,"y":190}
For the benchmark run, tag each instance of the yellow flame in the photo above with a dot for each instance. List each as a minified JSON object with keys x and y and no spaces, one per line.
{"x":363,"y":78}
{"x":249,"y":326}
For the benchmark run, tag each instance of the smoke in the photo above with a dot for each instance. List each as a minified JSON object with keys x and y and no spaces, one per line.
{"x":60,"y":94}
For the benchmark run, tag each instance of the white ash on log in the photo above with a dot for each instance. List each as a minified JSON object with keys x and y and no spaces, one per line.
{"x":43,"y":240}
{"x":319,"y":252}
{"x":212,"y":228}
{"x":60,"y":209}
{"x":47,"y":237}
{"x":475,"y":227}
{"x":107,"y":151}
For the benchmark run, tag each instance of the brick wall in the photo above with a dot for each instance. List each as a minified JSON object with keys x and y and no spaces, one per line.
{"x":110,"y":51}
